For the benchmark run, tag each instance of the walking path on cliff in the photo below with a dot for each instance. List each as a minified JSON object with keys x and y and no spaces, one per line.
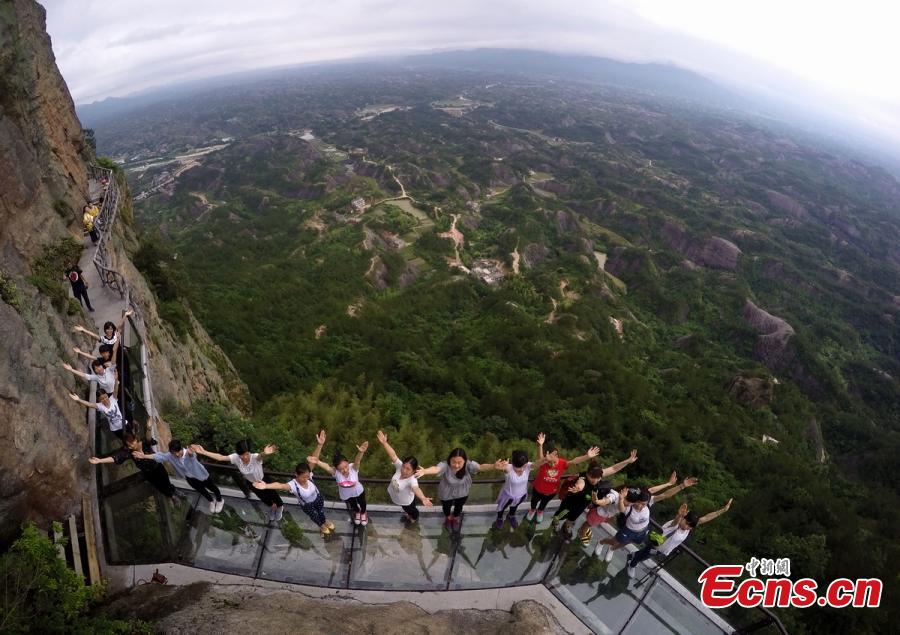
{"x":108,"y":304}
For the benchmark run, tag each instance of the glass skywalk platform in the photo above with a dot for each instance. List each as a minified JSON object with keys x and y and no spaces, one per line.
{"x":142,"y":528}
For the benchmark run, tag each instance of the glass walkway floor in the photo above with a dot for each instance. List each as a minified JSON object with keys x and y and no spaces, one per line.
{"x":140,"y":528}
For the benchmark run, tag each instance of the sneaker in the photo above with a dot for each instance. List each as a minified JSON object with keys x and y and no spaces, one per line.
{"x":608,"y":556}
{"x":364,"y":519}
{"x":271,"y":516}
{"x":498,"y":524}
{"x":540,"y":517}
{"x":330,"y":525}
{"x":279,"y":513}
{"x":530,"y":515}
{"x":513,"y":522}
{"x":631,"y":570}
{"x":586,"y":536}
{"x":357,"y":519}
{"x":212,"y":507}
{"x":598,"y":550}
{"x":220,"y":504}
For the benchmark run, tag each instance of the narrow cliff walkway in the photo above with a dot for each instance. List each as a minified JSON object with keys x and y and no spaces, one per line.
{"x":108,"y":304}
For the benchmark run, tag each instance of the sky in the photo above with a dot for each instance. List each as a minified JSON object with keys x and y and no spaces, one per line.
{"x":843,"y":53}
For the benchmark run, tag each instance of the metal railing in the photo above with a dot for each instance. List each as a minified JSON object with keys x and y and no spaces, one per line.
{"x":767,"y":617}
{"x":104,"y":222}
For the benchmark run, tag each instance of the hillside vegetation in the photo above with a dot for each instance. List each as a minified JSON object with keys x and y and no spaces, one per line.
{"x":606,"y":266}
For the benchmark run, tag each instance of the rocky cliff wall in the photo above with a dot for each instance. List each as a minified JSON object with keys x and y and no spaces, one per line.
{"x":43,"y":181}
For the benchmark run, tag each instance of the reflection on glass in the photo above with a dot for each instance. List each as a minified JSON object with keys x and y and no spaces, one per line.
{"x":141,"y":526}
{"x":595,"y":590}
{"x":491,"y":557}
{"x":391,"y":554}
{"x":671,"y":608}
{"x":230,"y":541}
{"x":296,"y":552}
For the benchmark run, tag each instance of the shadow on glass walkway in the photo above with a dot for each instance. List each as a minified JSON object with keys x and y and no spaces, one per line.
{"x":140,"y":527}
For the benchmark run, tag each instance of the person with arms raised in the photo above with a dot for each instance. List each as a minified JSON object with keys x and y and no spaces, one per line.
{"x":109,"y":406}
{"x":634,"y":503}
{"x":346,"y":474}
{"x":673,"y":534}
{"x":550,"y":469}
{"x":404,"y":488}
{"x":185,"y":463}
{"x":578,"y":493}
{"x":515,"y":488}
{"x":308,"y":495}
{"x":251,"y":466}
{"x":153,"y":472}
{"x":107,"y":377}
{"x":456,"y":482}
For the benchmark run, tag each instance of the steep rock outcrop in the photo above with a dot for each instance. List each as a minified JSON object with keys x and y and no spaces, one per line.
{"x":204,"y":608}
{"x":753,"y":392}
{"x":715,"y":252}
{"x":534,"y":254}
{"x":773,"y":347}
{"x":43,"y":185}
{"x":42,"y":169}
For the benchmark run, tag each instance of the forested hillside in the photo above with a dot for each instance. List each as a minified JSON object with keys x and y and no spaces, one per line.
{"x":469,"y":258}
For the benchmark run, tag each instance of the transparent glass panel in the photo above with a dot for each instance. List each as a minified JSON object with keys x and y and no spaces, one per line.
{"x":644,"y":622}
{"x":140,"y":526}
{"x":494,"y":557}
{"x":388,"y":553}
{"x":296,"y":552}
{"x":679,"y":614}
{"x":230,"y":541}
{"x":595,"y":590}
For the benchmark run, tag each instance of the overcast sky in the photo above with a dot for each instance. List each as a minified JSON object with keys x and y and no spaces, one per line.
{"x":846,"y":51}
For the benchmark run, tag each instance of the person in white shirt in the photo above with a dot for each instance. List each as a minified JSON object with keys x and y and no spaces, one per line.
{"x":308,"y":495}
{"x":404,"y":488}
{"x":107,"y":377}
{"x":635,"y":504}
{"x":346,"y":474}
{"x":251,"y":466}
{"x":515,"y":489}
{"x":110,"y":332}
{"x":605,"y":506}
{"x":673,"y":534}
{"x":108,"y":405}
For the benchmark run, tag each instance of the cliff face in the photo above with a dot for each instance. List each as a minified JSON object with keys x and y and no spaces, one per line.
{"x":183,"y":370}
{"x":42,"y":164}
{"x":43,"y":181}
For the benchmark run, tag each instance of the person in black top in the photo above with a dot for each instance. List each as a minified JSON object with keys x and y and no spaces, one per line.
{"x":79,"y":286}
{"x":153,"y":472}
{"x":578,"y":496}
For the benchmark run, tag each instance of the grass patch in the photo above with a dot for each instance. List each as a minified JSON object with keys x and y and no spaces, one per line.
{"x":9,"y":292}
{"x":48,"y":269}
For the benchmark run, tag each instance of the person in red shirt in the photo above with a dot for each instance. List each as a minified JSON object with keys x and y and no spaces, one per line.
{"x":550,"y":469}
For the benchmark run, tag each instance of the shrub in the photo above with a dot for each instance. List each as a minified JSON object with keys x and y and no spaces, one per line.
{"x":74,"y":307}
{"x":109,"y":164}
{"x":9,"y":292}
{"x":43,"y":595}
{"x":48,"y":269}
{"x":62,"y":208}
